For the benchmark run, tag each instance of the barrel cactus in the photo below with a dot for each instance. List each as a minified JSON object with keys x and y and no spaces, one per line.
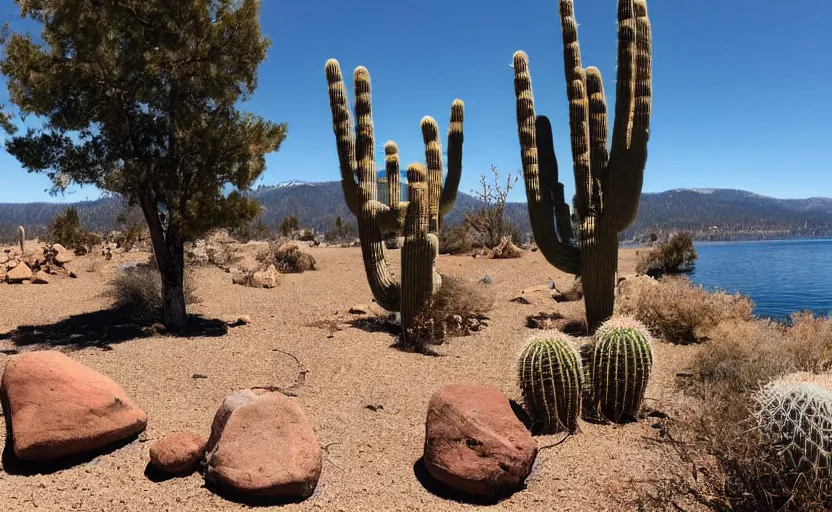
{"x":619,"y":369}
{"x":795,"y":413}
{"x":550,"y":376}
{"x":419,"y":219}
{"x":608,"y":181}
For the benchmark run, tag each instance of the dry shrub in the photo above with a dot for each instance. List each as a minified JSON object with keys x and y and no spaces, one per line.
{"x":678,"y":311}
{"x":506,"y":250}
{"x":288,"y":258}
{"x":741,"y":356}
{"x":457,"y":309}
{"x":137,"y":293}
{"x":574,"y":293}
{"x":455,"y":240}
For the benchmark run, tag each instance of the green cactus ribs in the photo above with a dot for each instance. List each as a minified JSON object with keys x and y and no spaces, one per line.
{"x":419,"y":219}
{"x":608,"y":176}
{"x":550,"y":377}
{"x":620,"y":368}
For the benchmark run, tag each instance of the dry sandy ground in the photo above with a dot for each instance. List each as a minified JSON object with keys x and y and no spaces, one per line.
{"x":370,"y":455}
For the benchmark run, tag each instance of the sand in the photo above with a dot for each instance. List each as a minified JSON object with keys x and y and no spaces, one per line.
{"x":370,"y":454}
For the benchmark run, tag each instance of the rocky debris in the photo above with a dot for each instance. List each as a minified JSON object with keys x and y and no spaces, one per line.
{"x":262,"y":444}
{"x":474,"y":442}
{"x":265,"y":278}
{"x":290,"y":259}
{"x":59,"y":407}
{"x":506,"y":250}
{"x":178,"y":453}
{"x":35,"y":268}
{"x":360,"y":309}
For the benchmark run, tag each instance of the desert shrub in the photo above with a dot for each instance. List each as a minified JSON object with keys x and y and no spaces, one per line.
{"x":506,"y":250}
{"x":66,"y":230}
{"x":289,"y":225}
{"x":455,"y":239}
{"x":457,"y":309}
{"x":675,"y":256}
{"x":137,"y":293}
{"x":678,"y":311}
{"x":752,"y":470}
{"x":340,"y":230}
{"x":489,"y":222}
{"x":575,"y":292}
{"x":288,"y":258}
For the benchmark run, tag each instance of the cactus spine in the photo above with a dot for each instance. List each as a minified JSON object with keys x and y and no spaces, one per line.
{"x":420,"y":218}
{"x":550,"y":377}
{"x":607,"y":182}
{"x":622,"y":360}
{"x":795,"y":412}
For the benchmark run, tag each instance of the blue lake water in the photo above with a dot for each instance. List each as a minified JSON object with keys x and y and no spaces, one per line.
{"x":780,"y":276}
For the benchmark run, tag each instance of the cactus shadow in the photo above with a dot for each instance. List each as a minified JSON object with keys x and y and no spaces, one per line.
{"x":438,"y":489}
{"x":101,"y":329}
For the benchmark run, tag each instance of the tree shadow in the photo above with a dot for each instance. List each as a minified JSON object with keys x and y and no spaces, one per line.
{"x":102,"y":329}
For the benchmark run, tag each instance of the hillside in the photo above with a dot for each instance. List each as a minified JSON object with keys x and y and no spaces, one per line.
{"x":712,"y":214}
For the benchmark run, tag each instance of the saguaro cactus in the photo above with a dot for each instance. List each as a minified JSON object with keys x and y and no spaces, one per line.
{"x":420,"y":217}
{"x":22,"y":236}
{"x":607,"y":182}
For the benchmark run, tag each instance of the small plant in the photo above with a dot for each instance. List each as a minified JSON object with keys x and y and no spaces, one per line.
{"x":341,"y":230}
{"x":620,"y":367}
{"x":288,"y":258}
{"x":455,"y":239}
{"x":66,"y":230}
{"x":458,"y":308}
{"x":137,"y":293}
{"x":795,"y":414}
{"x":676,"y":256}
{"x":490,"y":221}
{"x":550,"y":376}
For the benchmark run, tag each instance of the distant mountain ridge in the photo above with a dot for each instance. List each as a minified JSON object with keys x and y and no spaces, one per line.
{"x":711,"y":214}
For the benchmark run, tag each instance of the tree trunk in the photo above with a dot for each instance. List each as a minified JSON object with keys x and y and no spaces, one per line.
{"x":173,"y":288}
{"x":599,"y":263}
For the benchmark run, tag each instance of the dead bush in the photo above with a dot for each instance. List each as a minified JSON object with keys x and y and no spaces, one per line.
{"x":678,"y":311}
{"x":751,"y":474}
{"x":458,"y":309}
{"x":506,"y":250}
{"x":288,"y":258}
{"x":455,"y":240}
{"x":137,"y":293}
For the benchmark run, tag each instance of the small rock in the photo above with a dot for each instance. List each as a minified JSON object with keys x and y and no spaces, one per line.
{"x":487,"y":280}
{"x":474,"y":442}
{"x":73,"y":275}
{"x":19,"y":273}
{"x":262,"y":444}
{"x":520,"y":299}
{"x":4,"y":258}
{"x":41,"y":278}
{"x":177,"y":453}
{"x":360,"y":309}
{"x":241,"y":320}
{"x":59,"y":407}
{"x":265,"y":278}
{"x":199,"y":376}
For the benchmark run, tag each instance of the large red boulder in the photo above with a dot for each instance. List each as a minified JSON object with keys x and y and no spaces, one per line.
{"x":474,"y":442}
{"x":262,"y":444}
{"x":59,"y":407}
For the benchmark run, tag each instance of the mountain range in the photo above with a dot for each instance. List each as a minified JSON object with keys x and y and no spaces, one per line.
{"x":710,"y":214}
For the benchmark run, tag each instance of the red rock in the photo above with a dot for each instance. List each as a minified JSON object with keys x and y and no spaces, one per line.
{"x":60,"y":407}
{"x":262,"y":444}
{"x":177,"y":453}
{"x":474,"y":442}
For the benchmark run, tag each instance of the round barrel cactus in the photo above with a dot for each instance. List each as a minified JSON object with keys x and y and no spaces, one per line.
{"x":619,"y":369}
{"x":795,"y":412}
{"x":550,"y":376}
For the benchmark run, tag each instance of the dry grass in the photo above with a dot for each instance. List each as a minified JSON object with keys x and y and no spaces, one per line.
{"x":678,"y":311}
{"x":457,"y":309}
{"x":138,"y":293}
{"x":750,"y":473}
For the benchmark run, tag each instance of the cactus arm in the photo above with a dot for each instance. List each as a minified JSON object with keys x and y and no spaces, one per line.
{"x":598,"y":155}
{"x":342,"y":126}
{"x":391,"y":167}
{"x":365,"y":136}
{"x":548,"y":168}
{"x":578,"y":108}
{"x":455,"y":140}
{"x":629,"y":148}
{"x":540,"y":205}
{"x":418,"y":253}
{"x":433,"y":157}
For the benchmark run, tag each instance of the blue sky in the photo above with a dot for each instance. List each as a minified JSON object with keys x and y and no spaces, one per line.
{"x":741,"y":87}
